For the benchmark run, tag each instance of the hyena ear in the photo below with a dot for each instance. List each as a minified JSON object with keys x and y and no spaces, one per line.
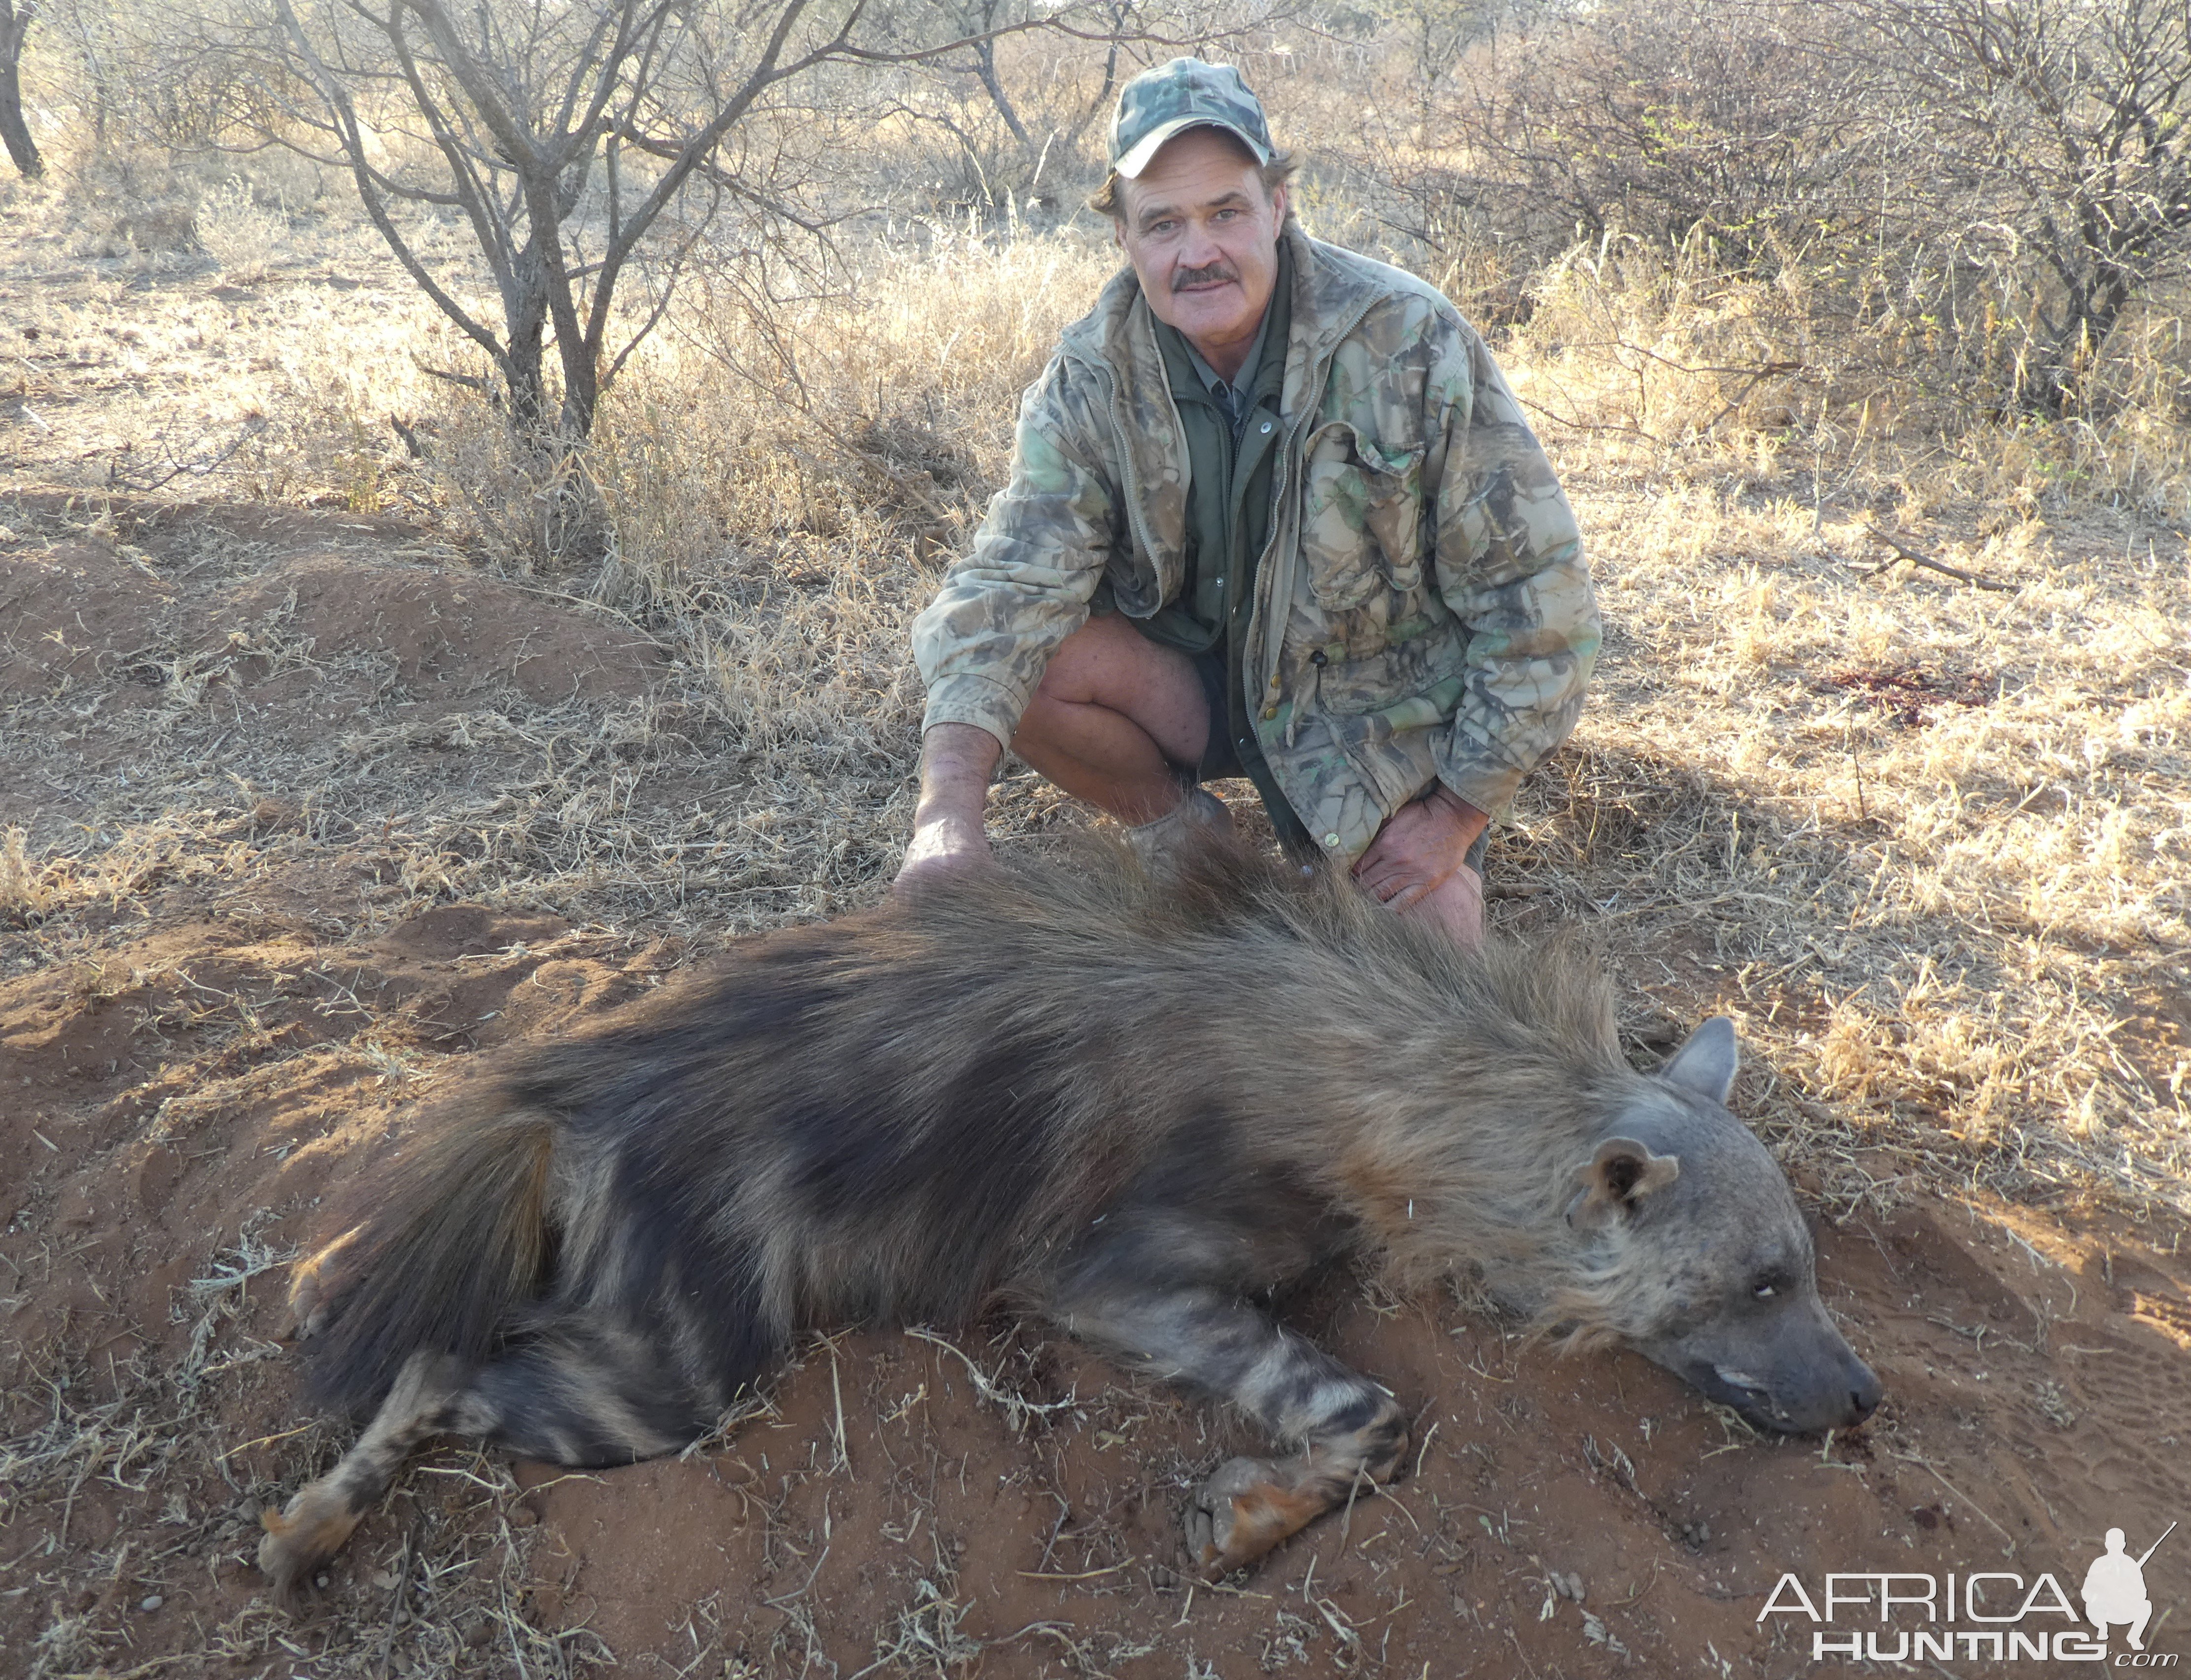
{"x":1617,"y":1178}
{"x":1705,"y":1064}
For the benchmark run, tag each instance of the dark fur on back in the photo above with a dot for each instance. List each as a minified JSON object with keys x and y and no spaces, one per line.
{"x":901,"y":1115}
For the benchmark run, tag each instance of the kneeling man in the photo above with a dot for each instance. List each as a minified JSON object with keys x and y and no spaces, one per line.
{"x":1274,"y":514}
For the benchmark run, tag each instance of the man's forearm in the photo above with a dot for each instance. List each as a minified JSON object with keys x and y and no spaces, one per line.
{"x":1472,"y":821}
{"x":949,"y":825}
{"x":956,"y":763}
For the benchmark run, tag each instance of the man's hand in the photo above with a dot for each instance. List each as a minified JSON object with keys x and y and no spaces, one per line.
{"x":1415,"y":866}
{"x":956,"y":760}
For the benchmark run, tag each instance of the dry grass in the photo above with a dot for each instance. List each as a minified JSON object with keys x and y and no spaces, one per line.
{"x":153,"y":1431}
{"x":1939,"y":830}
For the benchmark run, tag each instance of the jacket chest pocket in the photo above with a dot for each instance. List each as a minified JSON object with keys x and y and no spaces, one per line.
{"x":1362,"y":518}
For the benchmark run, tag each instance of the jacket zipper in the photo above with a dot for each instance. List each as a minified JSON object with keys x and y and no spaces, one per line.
{"x":1277,"y":500}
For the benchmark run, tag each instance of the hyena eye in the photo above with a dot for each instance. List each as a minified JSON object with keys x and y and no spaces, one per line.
{"x":1765,"y":1291}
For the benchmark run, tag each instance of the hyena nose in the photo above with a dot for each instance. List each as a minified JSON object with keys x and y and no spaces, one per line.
{"x":1863,"y":1393}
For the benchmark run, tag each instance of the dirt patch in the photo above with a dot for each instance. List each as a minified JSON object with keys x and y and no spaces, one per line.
{"x":280,"y":609}
{"x":276,"y":636}
{"x":1906,"y":692}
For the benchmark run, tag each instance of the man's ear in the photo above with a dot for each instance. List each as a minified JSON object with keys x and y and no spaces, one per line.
{"x":1279,"y":200}
{"x":1705,"y":1064}
{"x":1617,"y":1179}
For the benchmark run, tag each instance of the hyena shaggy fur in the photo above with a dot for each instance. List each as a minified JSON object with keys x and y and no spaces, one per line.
{"x":1135,"y":1108}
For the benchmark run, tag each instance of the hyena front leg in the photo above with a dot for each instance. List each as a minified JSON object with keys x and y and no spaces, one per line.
{"x":1346,"y":1426}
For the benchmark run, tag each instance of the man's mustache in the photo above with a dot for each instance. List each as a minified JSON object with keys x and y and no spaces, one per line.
{"x":1183,"y":278}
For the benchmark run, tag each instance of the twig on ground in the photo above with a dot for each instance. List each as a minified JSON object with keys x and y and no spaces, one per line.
{"x":1016,"y":1410}
{"x":1919,"y":557}
{"x":395,"y":1599}
{"x":1084,"y":1574}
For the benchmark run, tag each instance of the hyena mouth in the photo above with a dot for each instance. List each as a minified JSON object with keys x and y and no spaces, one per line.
{"x":1742,"y":1391}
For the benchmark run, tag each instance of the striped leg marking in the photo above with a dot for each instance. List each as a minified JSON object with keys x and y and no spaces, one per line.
{"x":428,"y":1399}
{"x":1347,"y":1426}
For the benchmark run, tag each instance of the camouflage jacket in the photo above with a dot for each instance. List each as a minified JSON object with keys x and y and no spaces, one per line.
{"x":1422,"y":609}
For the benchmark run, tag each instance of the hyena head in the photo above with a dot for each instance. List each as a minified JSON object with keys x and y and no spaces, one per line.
{"x":1696,"y":1255}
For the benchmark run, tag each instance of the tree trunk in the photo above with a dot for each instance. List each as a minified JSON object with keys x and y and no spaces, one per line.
{"x":1100,"y":104}
{"x":985,"y":66}
{"x":2073,"y":388}
{"x":582,"y":392}
{"x":15,"y":133}
{"x":524,"y":371}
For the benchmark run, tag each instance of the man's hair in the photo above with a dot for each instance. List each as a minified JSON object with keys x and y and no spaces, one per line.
{"x":1106,"y":201}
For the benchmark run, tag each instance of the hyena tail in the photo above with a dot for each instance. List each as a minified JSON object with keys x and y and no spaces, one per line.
{"x":454,"y":1240}
{"x":406,"y":1306}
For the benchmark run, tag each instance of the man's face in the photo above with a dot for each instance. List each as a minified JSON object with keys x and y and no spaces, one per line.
{"x":1203,"y":239}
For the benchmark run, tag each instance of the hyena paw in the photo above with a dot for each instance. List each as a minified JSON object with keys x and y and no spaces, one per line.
{"x":301,"y":1537}
{"x":1247,"y":1507}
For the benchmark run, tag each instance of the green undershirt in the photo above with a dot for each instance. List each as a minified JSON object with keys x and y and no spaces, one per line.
{"x":1230,"y":468}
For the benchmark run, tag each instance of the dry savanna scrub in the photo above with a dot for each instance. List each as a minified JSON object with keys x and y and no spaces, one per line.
{"x":346,"y":741}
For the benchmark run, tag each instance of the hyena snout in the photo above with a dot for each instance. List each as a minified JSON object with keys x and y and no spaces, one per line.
{"x":1834,"y":1390}
{"x":1796,"y":1375}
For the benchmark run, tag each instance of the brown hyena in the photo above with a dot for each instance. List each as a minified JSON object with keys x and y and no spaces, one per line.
{"x":1134,"y":1107}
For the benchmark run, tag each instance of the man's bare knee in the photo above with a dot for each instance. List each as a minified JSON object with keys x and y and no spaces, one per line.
{"x":1108,"y":664}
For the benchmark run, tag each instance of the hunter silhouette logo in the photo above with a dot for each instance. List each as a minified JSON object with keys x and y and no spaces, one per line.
{"x":2115,"y":1588}
{"x":1988,"y":1615}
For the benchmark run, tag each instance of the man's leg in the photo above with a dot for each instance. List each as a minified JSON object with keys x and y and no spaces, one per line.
{"x":1116,"y":717}
{"x":1455,"y":905}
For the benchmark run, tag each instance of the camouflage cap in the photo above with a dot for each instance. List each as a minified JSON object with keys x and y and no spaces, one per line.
{"x":1185,"y":94}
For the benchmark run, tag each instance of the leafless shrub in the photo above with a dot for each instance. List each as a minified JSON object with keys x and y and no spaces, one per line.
{"x":1676,"y":124}
{"x":164,"y":77}
{"x":1972,"y":195}
{"x":2052,"y":181}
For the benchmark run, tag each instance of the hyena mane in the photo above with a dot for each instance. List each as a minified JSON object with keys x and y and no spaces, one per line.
{"x":1129,"y":1104}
